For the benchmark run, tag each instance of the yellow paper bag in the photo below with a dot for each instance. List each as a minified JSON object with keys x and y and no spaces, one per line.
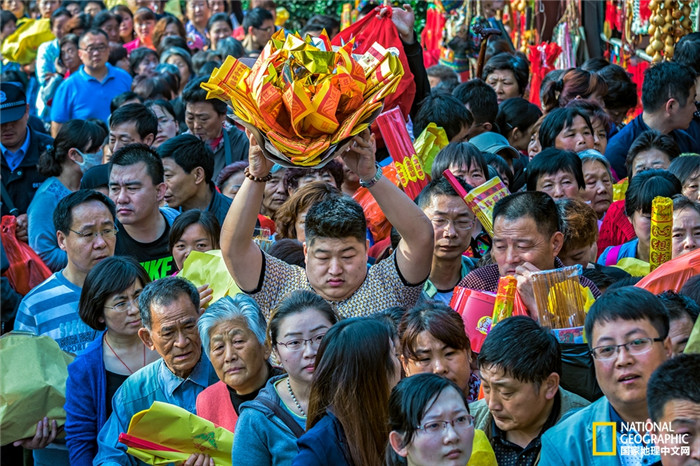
{"x":33,"y":371}
{"x":209,"y":267}
{"x":165,"y":433}
{"x":482,"y":452}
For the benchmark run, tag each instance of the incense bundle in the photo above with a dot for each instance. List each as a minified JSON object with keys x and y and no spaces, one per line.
{"x":560,"y":301}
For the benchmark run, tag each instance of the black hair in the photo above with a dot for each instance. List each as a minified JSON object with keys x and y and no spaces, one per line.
{"x":522,"y":349}
{"x":677,"y":379}
{"x":647,"y":185}
{"x":391,"y":315}
{"x":594,"y":112}
{"x":117,"y":52}
{"x":61,"y":11}
{"x":516,"y":112}
{"x":551,"y":161}
{"x":439,"y":187}
{"x":499,"y":166}
{"x":189,"y":152}
{"x":622,"y":91}
{"x":93,"y":31}
{"x":538,"y":206}
{"x":63,"y":214}
{"x":219,"y":17}
{"x":163,"y":292}
{"x":517,"y":64}
{"x":648,"y":140}
{"x":480,"y":98}
{"x":595,"y":64}
{"x":691,"y":288}
{"x":679,"y":306}
{"x":146,"y":121}
{"x":138,"y":55}
{"x":685,"y":167}
{"x":667,"y":80}
{"x":119,"y":100}
{"x":206,"y":219}
{"x":256,"y":17}
{"x":681,"y":202}
{"x":288,"y":250}
{"x":230,"y":46}
{"x":99,"y":2}
{"x":445,"y":111}
{"x":194,"y":93}
{"x":687,"y":51}
{"x":336,"y":217}
{"x":444,"y":73}
{"x":410,"y":399}
{"x":297,"y":302}
{"x":103,"y":17}
{"x":457,"y":153}
{"x":626,"y":303}
{"x":557,"y":121}
{"x":319,"y":23}
{"x":112,"y":275}
{"x":293,"y":175}
{"x":84,"y":135}
{"x":7,"y":17}
{"x":163,"y":104}
{"x":174,"y":41}
{"x":132,"y":154}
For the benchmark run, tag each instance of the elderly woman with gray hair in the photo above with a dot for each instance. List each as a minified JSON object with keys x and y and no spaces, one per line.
{"x":233,"y":336}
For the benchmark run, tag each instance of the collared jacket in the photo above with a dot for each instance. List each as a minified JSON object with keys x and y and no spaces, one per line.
{"x":23,"y":182}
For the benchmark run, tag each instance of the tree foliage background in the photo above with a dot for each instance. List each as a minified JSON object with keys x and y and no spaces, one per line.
{"x":301,"y":10}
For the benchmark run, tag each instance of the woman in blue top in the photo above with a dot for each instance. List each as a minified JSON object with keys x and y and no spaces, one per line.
{"x":77,"y":148}
{"x":265,"y":432}
{"x":642,"y":190}
{"x":357,"y":366}
{"x":109,"y":301}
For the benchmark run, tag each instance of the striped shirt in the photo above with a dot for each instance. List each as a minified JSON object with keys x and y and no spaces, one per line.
{"x":51,"y":309}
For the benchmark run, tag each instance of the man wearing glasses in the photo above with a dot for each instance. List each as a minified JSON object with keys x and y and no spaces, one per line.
{"x":85,"y":229}
{"x":88,"y":93}
{"x":259,"y":25}
{"x":627,"y":332}
{"x":453,"y":223}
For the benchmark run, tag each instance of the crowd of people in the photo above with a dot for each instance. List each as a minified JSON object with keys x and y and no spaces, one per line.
{"x":341,"y":347}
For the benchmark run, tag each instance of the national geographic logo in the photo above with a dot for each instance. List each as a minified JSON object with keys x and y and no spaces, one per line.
{"x":605,"y":425}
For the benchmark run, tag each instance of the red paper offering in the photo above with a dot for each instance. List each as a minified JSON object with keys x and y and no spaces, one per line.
{"x":408,"y":168}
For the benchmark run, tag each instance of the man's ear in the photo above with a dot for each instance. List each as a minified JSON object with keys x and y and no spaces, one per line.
{"x":551,"y":386}
{"x":145,"y":336}
{"x":396,"y":442}
{"x":488,"y":126}
{"x":160,"y":192}
{"x":404,"y":364}
{"x":557,"y":242}
{"x":671,"y":105}
{"x":148,"y":140}
{"x":61,"y":240}
{"x":199,"y":175}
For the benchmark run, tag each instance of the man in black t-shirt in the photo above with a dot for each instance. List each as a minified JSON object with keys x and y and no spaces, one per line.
{"x":137,"y":188}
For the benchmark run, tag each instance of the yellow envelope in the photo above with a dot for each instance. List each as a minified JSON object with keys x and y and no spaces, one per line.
{"x":209,"y":267}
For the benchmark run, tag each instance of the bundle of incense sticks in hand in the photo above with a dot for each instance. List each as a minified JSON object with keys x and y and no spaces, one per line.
{"x":661,"y":226}
{"x":302,"y":99}
{"x":559,"y":297}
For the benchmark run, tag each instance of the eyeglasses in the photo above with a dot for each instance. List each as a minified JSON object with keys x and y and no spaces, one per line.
{"x":441,"y":223}
{"x":296,"y":345}
{"x":438,"y":427}
{"x":636,"y":346}
{"x":98,"y":48}
{"x":124,"y":305}
{"x":267,"y":29}
{"x":107,"y":233}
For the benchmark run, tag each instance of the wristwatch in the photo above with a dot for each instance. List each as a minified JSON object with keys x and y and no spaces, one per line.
{"x":372,"y":181}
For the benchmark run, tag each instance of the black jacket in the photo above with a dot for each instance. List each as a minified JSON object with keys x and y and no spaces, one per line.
{"x":22,"y":183}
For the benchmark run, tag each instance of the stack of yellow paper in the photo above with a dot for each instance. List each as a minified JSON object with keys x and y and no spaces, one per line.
{"x":301,"y":101}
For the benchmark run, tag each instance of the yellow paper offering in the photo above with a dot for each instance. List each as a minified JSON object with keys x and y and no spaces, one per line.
{"x":167,"y":434}
{"x":483,"y":198}
{"x":661,"y":226}
{"x":505,"y":297}
{"x":620,"y":189}
{"x":430,"y":142}
{"x":208,"y":267}
{"x":301,"y":100}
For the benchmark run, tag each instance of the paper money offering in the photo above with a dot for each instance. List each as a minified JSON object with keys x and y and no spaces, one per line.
{"x":302,"y":99}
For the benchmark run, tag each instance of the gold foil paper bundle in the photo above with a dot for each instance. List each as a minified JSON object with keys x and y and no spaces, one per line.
{"x":505,"y":298}
{"x":559,"y":297}
{"x":661,"y":226}
{"x":301,"y":100}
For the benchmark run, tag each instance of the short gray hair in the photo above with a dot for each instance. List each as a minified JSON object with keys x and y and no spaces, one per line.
{"x":227,"y":308}
{"x":163,"y":292}
{"x":592,"y":155}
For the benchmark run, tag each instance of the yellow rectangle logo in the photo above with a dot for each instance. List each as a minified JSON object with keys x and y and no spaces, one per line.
{"x":614,"y":439}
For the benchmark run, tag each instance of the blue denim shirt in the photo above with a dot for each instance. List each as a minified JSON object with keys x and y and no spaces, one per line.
{"x":154,"y":382}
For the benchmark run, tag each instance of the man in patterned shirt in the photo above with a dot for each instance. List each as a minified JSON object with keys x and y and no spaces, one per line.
{"x":526,"y":238}
{"x":335,"y":247}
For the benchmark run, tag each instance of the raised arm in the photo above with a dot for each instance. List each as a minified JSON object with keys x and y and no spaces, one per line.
{"x":241,"y":255}
{"x":415,"y":252}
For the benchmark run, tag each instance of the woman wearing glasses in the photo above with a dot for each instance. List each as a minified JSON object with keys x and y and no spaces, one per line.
{"x":109,"y":302}
{"x":430,"y":423}
{"x":269,"y":426}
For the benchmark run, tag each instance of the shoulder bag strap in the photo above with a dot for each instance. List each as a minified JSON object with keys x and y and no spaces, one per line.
{"x":284,"y":416}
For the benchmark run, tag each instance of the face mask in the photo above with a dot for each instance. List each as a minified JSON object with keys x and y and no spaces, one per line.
{"x":89,"y":160}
